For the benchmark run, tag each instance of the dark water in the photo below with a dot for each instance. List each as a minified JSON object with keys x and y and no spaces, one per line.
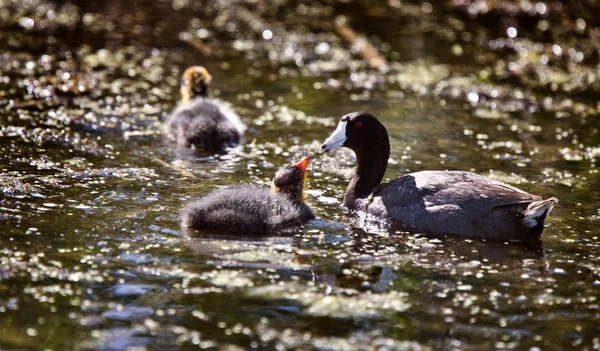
{"x":91,"y":255}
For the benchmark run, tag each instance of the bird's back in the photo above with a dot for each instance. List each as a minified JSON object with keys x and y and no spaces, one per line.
{"x":246,"y":209}
{"x":205,"y":123}
{"x":462,"y":203}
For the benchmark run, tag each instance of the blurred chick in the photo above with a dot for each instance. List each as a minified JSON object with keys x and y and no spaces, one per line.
{"x":202,"y":122}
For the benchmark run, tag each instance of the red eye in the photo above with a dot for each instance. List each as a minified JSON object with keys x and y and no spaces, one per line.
{"x":358,"y":125}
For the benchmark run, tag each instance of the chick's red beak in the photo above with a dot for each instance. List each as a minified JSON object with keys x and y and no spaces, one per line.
{"x":303,"y":165}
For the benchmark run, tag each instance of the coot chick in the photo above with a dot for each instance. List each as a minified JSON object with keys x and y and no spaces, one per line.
{"x":253,"y":208}
{"x":202,"y":122}
{"x":435,"y":202}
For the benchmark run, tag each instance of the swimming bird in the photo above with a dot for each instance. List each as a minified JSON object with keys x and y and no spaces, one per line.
{"x":434,"y":202}
{"x":200,"y":121}
{"x":254,"y":208}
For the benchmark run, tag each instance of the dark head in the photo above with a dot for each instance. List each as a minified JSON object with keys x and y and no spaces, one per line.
{"x":194,"y":83}
{"x":289,"y":179}
{"x":367,"y":137}
{"x":357,"y":131}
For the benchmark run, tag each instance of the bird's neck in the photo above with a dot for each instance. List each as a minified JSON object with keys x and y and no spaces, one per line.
{"x":190,"y":93}
{"x":291,"y":192}
{"x":371,"y":163}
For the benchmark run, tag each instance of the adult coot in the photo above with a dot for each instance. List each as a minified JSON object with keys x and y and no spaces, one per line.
{"x":435,"y":202}
{"x":253,"y":208}
{"x":202,"y":122}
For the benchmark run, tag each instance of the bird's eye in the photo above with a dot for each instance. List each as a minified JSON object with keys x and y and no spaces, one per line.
{"x":358,"y":125}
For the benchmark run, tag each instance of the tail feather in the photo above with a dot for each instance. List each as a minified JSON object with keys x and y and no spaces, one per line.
{"x":537,"y":212}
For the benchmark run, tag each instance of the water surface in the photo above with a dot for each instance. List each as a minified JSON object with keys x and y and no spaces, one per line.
{"x":91,"y":254}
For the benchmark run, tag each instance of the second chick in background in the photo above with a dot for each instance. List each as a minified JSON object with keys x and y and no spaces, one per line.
{"x":200,"y":122}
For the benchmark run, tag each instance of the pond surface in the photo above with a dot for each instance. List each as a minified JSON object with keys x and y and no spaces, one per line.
{"x":91,"y":254}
